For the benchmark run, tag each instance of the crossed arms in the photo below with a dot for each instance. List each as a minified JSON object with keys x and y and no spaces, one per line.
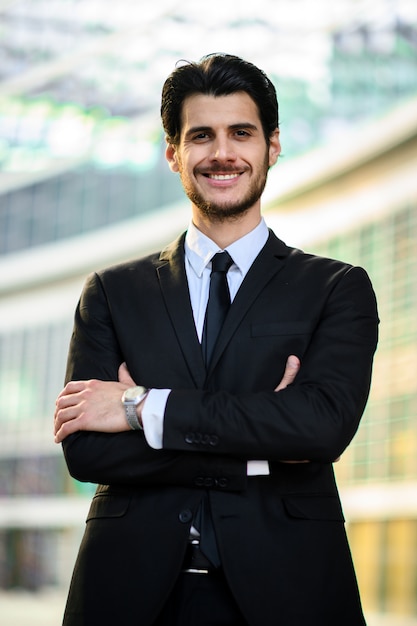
{"x":94,"y":405}
{"x":315,"y":418}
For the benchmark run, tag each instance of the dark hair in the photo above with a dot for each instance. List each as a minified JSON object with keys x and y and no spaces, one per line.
{"x":217,"y":75}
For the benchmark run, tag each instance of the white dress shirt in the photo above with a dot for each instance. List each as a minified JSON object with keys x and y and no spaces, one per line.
{"x":199,"y":250}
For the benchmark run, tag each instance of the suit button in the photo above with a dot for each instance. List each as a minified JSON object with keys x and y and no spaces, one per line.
{"x":189,"y":438}
{"x":214,"y":440}
{"x":208,"y":482}
{"x":221,"y":482}
{"x":185,"y":516}
{"x":198,"y":438}
{"x":199,"y":481}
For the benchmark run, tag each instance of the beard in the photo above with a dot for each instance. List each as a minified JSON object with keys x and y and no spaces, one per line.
{"x":221,"y":211}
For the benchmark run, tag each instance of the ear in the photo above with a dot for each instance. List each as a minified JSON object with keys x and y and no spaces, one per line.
{"x":171,"y":157}
{"x":274,"y":147}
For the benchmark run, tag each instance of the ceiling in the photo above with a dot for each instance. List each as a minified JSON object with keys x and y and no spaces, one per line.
{"x":116,"y":54}
{"x":112,"y":56}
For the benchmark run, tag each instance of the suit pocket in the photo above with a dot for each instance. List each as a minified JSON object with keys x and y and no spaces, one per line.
{"x":314,"y":507}
{"x":281,"y":328}
{"x":107,"y":505}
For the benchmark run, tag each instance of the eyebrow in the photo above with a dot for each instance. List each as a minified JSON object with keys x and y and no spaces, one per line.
{"x":200,"y":129}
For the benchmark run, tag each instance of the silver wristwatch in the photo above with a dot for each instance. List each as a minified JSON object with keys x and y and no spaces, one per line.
{"x":131,"y":398}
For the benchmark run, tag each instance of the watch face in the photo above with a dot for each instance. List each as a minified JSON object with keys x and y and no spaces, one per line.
{"x":133,"y":392}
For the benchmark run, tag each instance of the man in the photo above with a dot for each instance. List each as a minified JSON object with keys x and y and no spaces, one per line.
{"x":224,"y":508}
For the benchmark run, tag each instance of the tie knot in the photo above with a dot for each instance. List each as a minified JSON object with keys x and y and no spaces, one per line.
{"x":221,"y":262}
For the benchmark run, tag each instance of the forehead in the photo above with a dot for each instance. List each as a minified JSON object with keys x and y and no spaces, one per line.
{"x":203,"y":111}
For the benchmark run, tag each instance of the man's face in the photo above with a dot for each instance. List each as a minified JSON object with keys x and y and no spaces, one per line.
{"x":222,"y":156}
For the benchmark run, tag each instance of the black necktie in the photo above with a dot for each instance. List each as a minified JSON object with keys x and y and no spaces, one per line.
{"x":218,"y":303}
{"x":217,"y":306}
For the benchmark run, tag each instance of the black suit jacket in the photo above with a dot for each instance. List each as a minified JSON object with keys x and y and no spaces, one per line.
{"x":281,"y":537}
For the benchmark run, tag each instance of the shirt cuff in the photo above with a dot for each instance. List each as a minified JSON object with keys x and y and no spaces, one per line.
{"x":257,"y":468}
{"x":153,"y":412}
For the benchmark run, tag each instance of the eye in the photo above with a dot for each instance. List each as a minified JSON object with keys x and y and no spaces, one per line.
{"x":202,"y":136}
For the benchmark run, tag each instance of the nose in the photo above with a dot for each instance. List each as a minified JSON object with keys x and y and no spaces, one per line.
{"x":223,"y":150}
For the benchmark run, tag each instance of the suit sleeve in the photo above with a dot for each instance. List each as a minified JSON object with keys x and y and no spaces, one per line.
{"x":316,"y":417}
{"x":126,"y":458}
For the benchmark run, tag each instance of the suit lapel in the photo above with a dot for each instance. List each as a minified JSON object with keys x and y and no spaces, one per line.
{"x":173,"y":282}
{"x":267,"y":264}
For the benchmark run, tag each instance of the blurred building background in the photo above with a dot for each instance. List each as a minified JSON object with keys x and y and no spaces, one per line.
{"x":84,"y":184}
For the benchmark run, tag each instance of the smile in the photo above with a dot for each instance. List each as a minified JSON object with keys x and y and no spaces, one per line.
{"x":222,"y":176}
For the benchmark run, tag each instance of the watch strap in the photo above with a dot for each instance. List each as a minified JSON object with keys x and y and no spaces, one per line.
{"x":131,"y":399}
{"x":132,"y":417}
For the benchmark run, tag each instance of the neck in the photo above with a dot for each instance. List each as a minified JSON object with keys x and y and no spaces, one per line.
{"x":227,"y":231}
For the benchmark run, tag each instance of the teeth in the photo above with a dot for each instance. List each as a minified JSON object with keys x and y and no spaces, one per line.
{"x":223,"y":176}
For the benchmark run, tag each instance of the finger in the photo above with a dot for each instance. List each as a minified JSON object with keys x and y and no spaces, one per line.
{"x":125,"y":377}
{"x":65,"y":415}
{"x":67,"y":428}
{"x":74,"y":386}
{"x":295,"y":462}
{"x":291,"y":370}
{"x":65,"y":401}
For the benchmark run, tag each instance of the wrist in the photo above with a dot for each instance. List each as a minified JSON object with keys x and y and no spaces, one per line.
{"x":139,"y":408}
{"x":131,"y":399}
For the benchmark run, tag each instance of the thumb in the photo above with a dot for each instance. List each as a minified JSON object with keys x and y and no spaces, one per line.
{"x":125,"y":377}
{"x":291,"y":370}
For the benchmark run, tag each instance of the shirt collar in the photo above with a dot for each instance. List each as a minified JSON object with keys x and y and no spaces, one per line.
{"x":199,"y":249}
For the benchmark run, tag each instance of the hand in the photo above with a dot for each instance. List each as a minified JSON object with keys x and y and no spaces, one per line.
{"x":125,"y":377}
{"x":92,"y":405}
{"x":291,"y":370}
